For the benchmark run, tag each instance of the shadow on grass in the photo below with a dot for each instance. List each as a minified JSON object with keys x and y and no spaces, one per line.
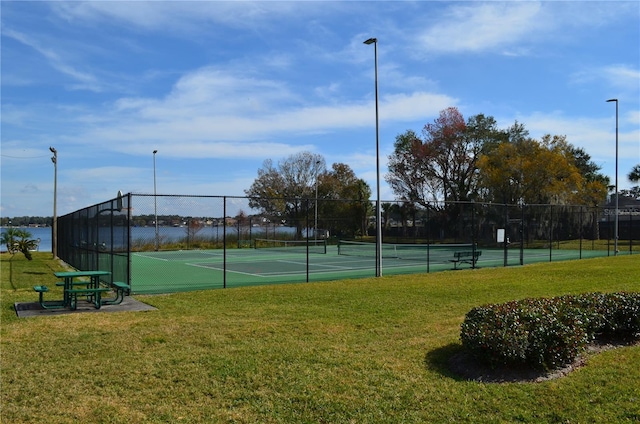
{"x":440,"y":360}
{"x":455,"y":362}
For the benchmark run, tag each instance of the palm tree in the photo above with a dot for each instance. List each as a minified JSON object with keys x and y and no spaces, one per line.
{"x":634,"y":174}
{"x":17,"y":240}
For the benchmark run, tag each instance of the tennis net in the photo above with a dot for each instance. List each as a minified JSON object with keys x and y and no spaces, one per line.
{"x":400,"y":251}
{"x":292,"y":246}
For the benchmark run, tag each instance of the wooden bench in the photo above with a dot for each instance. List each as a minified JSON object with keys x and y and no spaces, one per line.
{"x":465,"y":257}
{"x":41,"y":290}
{"x":94,"y":295}
{"x":122,"y":289}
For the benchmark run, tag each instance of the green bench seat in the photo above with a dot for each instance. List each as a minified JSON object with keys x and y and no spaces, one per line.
{"x":469,"y":257}
{"x":41,"y":290}
{"x":94,"y":295}
{"x":75,"y":283}
{"x":122,"y":289}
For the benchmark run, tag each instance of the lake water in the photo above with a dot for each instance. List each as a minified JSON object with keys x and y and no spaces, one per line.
{"x":167,"y":233}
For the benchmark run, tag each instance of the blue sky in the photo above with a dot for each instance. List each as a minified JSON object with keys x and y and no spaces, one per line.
{"x":218,"y":87}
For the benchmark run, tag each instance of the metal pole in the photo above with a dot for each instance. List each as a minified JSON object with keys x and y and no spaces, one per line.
{"x":155,"y":201}
{"x":224,"y":242}
{"x":374,"y":41}
{"x":315,"y":225}
{"x":54,"y":234}
{"x":615,"y":235}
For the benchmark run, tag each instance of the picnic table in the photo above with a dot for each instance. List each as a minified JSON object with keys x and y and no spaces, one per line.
{"x":74,"y":287}
{"x":91,"y":288}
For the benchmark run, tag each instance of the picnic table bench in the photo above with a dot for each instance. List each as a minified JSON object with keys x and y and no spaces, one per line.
{"x":41,"y":290}
{"x":94,"y":294}
{"x":121,"y":290}
{"x":466,"y":257}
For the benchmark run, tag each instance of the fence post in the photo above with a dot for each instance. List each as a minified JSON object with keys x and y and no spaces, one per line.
{"x":128,"y":230}
{"x":307,"y":225}
{"x":550,"y":232}
{"x":428,"y":233}
{"x":505,"y":243}
{"x":581,"y":229}
{"x":473,"y":234}
{"x":522,"y":206}
{"x":224,"y":242}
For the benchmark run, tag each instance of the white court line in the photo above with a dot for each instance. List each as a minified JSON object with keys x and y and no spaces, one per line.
{"x":314,"y":267}
{"x":228,"y":270}
{"x":317,"y":265}
{"x":151,"y":257}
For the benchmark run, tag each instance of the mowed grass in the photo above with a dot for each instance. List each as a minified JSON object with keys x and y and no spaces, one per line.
{"x":351,"y":351}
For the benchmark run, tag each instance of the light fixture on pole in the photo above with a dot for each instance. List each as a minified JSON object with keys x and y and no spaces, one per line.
{"x":615,"y":236}
{"x":374,"y":41}
{"x":54,"y":230}
{"x":155,"y":200}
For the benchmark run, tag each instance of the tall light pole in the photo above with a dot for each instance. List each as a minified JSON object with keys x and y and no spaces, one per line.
{"x":615,"y":236}
{"x":315,"y":225}
{"x":155,"y":200}
{"x":54,"y":232}
{"x":374,"y":41}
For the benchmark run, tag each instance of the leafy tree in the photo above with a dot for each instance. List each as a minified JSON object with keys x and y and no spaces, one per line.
{"x":287,"y":192}
{"x":345,"y":197}
{"x":409,"y":175}
{"x":594,"y":190}
{"x":535,"y":172}
{"x":634,"y":174}
{"x":449,"y":154}
{"x":443,"y":164}
{"x":281,"y":192}
{"x":386,"y":214}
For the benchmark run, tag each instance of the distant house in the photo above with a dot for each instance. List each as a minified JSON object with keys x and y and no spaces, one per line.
{"x":628,"y":218}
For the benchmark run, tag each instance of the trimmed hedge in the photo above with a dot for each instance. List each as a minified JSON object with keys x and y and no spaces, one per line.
{"x":549,"y":333}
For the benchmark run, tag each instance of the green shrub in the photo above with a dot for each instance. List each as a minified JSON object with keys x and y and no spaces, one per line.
{"x":549,"y":332}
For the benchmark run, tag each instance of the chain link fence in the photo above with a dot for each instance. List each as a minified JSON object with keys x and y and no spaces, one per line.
{"x":168,"y":243}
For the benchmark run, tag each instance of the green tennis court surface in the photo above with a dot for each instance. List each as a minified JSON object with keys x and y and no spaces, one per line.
{"x":174,"y":271}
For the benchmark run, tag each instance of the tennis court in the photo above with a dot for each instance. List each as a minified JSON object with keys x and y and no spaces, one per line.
{"x":186,"y":270}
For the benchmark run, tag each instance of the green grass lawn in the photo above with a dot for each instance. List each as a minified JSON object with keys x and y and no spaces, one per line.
{"x":362,"y":351}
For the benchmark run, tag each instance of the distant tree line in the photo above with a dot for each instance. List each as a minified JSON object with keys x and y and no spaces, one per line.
{"x":25,"y":221}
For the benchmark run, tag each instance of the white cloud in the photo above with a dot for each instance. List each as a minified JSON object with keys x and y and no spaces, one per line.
{"x":624,"y":78}
{"x":481,"y":27}
{"x":217,"y":113}
{"x":85,"y":80}
{"x":184,"y":17}
{"x":103,"y":173}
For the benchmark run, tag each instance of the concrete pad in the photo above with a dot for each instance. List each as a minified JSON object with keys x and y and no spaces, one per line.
{"x":33,"y":309}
